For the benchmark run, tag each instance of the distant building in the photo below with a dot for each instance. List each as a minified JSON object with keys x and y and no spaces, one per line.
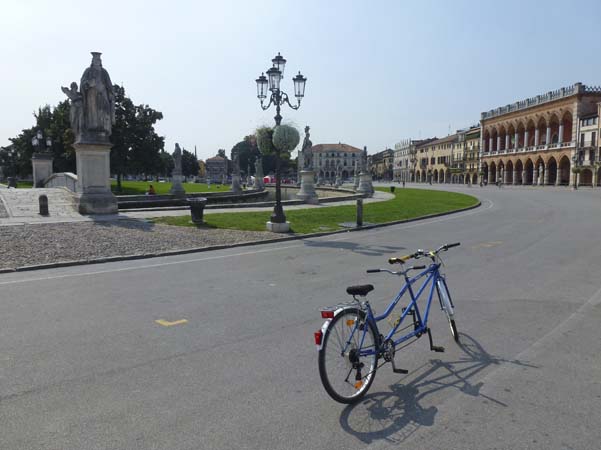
{"x":380,"y":164}
{"x":216,"y":169}
{"x":405,"y":158}
{"x":327,"y":158}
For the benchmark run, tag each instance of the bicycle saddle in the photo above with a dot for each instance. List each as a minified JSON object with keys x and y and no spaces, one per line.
{"x":362,"y":289}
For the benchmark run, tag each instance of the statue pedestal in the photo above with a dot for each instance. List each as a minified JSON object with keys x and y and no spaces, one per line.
{"x":275,"y":227}
{"x":176,"y":185}
{"x":338,"y":181}
{"x":365,"y":186}
{"x":94,"y":194}
{"x":307,"y":189}
{"x":42,"y":168}
{"x":356,"y":183}
{"x":236,"y":188}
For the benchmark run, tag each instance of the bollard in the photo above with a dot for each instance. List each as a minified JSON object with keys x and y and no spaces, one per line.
{"x":197,"y":206}
{"x":359,"y":212}
{"x":43,"y":205}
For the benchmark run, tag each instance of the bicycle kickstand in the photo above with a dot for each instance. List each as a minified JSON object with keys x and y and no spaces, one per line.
{"x":395,"y":370}
{"x":434,"y":348}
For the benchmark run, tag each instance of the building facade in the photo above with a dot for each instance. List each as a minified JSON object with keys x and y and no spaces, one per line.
{"x":405,"y":159}
{"x":328,"y":159}
{"x":381,"y":165}
{"x":536,"y":141}
{"x":465,"y":160}
{"x":216,"y":169}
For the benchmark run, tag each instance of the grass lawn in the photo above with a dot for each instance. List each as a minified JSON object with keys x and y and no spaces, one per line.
{"x":407,"y":204}
{"x":141,"y":187}
{"x":24,"y":184}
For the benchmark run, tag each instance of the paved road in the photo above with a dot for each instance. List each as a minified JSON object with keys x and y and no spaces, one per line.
{"x":83,"y":365}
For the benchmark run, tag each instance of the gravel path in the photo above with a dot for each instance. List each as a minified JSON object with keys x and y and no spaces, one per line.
{"x":26,"y":245}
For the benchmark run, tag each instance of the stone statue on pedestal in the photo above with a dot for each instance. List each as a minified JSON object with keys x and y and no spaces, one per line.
{"x":92,"y":111}
{"x":259,"y":173}
{"x":236,"y":172}
{"x":307,"y":152}
{"x":92,"y":115}
{"x":177,"y":160}
{"x":176,"y":176}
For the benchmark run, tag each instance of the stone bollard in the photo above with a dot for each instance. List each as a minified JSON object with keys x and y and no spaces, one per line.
{"x":43,"y":205}
{"x":359,"y":212}
{"x":197,"y":207}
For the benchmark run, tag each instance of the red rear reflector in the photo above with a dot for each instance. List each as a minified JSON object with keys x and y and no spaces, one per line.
{"x":318,"y":335}
{"x":327,"y":314}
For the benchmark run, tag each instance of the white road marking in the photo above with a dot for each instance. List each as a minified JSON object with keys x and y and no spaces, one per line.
{"x":254,"y":252}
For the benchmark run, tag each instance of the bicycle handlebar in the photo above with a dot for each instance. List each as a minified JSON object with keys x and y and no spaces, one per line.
{"x":419,"y":253}
{"x":396,"y":273}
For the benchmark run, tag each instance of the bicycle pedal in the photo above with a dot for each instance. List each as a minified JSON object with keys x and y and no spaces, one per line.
{"x":403,"y":371}
{"x":437,"y":348}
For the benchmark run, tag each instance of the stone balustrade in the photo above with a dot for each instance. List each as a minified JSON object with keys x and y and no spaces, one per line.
{"x":66,"y":179}
{"x":540,"y":99}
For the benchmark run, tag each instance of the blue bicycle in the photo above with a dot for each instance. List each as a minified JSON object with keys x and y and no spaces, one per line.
{"x":350,"y":343}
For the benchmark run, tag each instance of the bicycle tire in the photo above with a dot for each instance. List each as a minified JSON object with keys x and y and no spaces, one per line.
{"x":447,"y":306}
{"x":335,"y":368}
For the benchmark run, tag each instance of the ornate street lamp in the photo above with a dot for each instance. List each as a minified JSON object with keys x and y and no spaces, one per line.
{"x":41,"y":144}
{"x":41,"y":160}
{"x":278,"y":98}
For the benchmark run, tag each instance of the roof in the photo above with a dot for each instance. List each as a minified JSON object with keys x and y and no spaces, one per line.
{"x":335,"y":148}
{"x":216,"y":158}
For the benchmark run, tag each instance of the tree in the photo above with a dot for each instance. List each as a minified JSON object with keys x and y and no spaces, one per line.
{"x":189,"y":164}
{"x":167,"y":164}
{"x":247,"y":153}
{"x":136,"y":146}
{"x":54,"y":123}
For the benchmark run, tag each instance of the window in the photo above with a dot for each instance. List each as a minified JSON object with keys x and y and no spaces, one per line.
{"x":594,"y":138}
{"x":581,"y":139}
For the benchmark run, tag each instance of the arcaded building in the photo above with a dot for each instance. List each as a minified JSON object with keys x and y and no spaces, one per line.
{"x":536,"y":141}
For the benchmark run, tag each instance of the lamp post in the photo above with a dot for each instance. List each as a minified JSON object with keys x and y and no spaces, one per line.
{"x":41,"y":160}
{"x":275,"y":74}
{"x":575,"y":170}
{"x":40,"y":144}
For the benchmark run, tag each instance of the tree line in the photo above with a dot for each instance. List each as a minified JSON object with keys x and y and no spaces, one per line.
{"x":137,"y":148}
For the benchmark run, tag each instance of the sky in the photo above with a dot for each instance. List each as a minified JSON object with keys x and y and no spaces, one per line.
{"x":377,"y":71}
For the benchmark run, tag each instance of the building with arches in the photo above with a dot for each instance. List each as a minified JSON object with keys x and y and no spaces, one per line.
{"x":535,"y":141}
{"x":330,"y":158}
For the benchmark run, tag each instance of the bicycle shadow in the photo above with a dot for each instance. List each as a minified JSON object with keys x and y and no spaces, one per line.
{"x":362,"y":249}
{"x":394,"y":416}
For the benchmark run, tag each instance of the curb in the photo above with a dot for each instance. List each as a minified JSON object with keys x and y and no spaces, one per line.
{"x":107,"y":259}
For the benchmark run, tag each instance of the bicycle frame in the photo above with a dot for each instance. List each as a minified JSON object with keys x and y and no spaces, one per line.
{"x":433,"y":276}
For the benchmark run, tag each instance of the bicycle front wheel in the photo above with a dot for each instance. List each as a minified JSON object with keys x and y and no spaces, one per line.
{"x":348,"y":359}
{"x":447,"y":306}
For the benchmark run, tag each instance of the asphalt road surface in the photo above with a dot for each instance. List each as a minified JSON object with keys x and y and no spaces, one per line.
{"x":85,"y":365}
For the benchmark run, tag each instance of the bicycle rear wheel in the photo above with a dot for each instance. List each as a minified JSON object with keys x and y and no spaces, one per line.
{"x":447,"y":306}
{"x":345,"y":371}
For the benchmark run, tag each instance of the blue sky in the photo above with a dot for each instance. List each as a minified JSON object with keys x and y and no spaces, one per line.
{"x":378,"y":71}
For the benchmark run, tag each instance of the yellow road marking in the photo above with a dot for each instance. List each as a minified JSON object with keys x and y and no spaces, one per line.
{"x":166,"y":323}
{"x":488,"y":244}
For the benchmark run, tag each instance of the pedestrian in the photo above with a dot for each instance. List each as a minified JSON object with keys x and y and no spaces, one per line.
{"x":151,"y":190}
{"x":403,"y":183}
